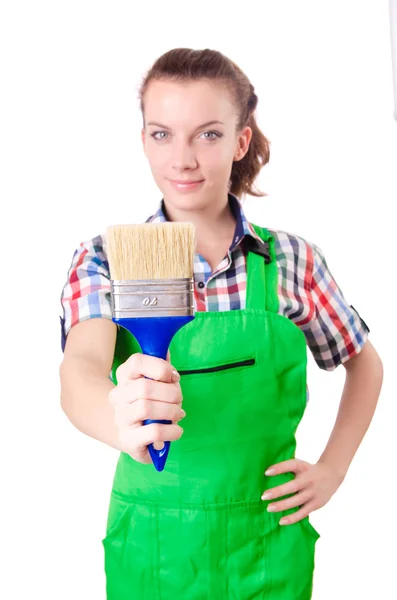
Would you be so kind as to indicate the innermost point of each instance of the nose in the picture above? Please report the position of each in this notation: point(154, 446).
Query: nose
point(183, 157)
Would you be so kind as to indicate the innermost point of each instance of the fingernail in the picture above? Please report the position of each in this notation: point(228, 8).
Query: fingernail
point(269, 472)
point(271, 507)
point(283, 521)
point(175, 376)
point(183, 413)
point(266, 495)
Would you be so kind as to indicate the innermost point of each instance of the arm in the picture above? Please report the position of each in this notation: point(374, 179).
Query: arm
point(84, 375)
point(364, 376)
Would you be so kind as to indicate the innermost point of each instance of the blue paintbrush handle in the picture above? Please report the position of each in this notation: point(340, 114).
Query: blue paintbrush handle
point(154, 335)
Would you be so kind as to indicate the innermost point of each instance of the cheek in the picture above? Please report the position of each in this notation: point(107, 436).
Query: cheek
point(218, 160)
point(159, 165)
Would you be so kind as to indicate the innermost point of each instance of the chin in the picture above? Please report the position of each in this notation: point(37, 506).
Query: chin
point(186, 201)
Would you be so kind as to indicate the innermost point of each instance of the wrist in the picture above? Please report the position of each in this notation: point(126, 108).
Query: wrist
point(339, 470)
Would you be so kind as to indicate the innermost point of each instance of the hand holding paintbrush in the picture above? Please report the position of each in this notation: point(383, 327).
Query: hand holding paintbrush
point(146, 389)
point(151, 269)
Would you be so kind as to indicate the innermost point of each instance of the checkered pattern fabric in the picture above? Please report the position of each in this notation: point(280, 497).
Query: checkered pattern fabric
point(308, 293)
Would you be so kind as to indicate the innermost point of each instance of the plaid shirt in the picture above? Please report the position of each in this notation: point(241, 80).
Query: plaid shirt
point(308, 293)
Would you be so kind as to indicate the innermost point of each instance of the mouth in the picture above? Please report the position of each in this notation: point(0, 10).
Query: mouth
point(186, 182)
point(186, 185)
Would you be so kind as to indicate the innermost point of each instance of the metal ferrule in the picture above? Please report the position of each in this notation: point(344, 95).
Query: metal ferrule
point(152, 298)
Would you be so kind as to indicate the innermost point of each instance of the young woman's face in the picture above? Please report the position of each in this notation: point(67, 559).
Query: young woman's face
point(181, 146)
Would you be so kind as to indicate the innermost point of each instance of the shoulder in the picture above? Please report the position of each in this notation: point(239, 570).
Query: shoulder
point(293, 251)
point(86, 291)
point(289, 240)
point(95, 246)
point(91, 252)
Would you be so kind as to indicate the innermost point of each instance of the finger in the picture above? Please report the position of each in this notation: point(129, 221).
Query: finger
point(158, 432)
point(145, 389)
point(142, 365)
point(300, 514)
point(296, 500)
point(293, 464)
point(142, 409)
point(168, 358)
point(155, 390)
point(152, 390)
point(296, 484)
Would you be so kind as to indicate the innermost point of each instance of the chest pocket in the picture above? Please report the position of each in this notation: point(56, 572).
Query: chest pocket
point(234, 365)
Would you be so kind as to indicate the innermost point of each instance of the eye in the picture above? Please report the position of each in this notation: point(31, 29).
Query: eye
point(218, 135)
point(214, 133)
point(155, 133)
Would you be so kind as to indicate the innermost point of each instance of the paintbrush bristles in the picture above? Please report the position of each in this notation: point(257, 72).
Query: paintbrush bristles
point(151, 251)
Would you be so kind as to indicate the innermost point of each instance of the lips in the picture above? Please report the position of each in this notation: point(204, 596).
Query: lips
point(186, 182)
point(187, 186)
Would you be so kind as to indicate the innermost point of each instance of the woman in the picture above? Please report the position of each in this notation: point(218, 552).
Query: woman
point(202, 528)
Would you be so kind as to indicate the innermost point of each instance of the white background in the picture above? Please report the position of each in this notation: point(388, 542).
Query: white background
point(72, 163)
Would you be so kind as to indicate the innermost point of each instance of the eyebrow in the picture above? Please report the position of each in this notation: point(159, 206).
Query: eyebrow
point(199, 127)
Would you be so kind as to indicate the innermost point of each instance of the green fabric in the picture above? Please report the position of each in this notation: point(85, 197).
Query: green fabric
point(199, 530)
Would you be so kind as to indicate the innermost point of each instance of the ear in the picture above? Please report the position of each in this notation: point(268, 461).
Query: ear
point(243, 143)
point(143, 137)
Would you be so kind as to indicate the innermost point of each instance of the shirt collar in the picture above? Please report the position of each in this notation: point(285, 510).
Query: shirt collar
point(244, 230)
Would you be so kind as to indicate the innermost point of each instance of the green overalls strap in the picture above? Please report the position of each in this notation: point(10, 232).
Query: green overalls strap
point(199, 530)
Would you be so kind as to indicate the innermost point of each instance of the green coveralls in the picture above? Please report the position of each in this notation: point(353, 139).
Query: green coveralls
point(199, 530)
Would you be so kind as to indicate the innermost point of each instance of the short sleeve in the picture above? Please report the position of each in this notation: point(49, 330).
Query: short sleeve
point(336, 332)
point(86, 292)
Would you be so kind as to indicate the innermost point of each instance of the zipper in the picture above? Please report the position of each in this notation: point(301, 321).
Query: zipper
point(242, 363)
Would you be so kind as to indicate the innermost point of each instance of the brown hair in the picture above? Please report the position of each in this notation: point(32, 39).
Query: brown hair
point(186, 64)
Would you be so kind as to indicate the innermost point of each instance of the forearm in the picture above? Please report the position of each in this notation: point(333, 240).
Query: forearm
point(359, 399)
point(84, 400)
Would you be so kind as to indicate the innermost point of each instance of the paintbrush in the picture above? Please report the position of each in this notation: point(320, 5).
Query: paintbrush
point(151, 276)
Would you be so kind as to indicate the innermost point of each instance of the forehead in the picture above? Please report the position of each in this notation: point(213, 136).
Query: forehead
point(190, 103)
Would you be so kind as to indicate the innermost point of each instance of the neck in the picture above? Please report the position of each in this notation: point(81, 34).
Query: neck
point(212, 223)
